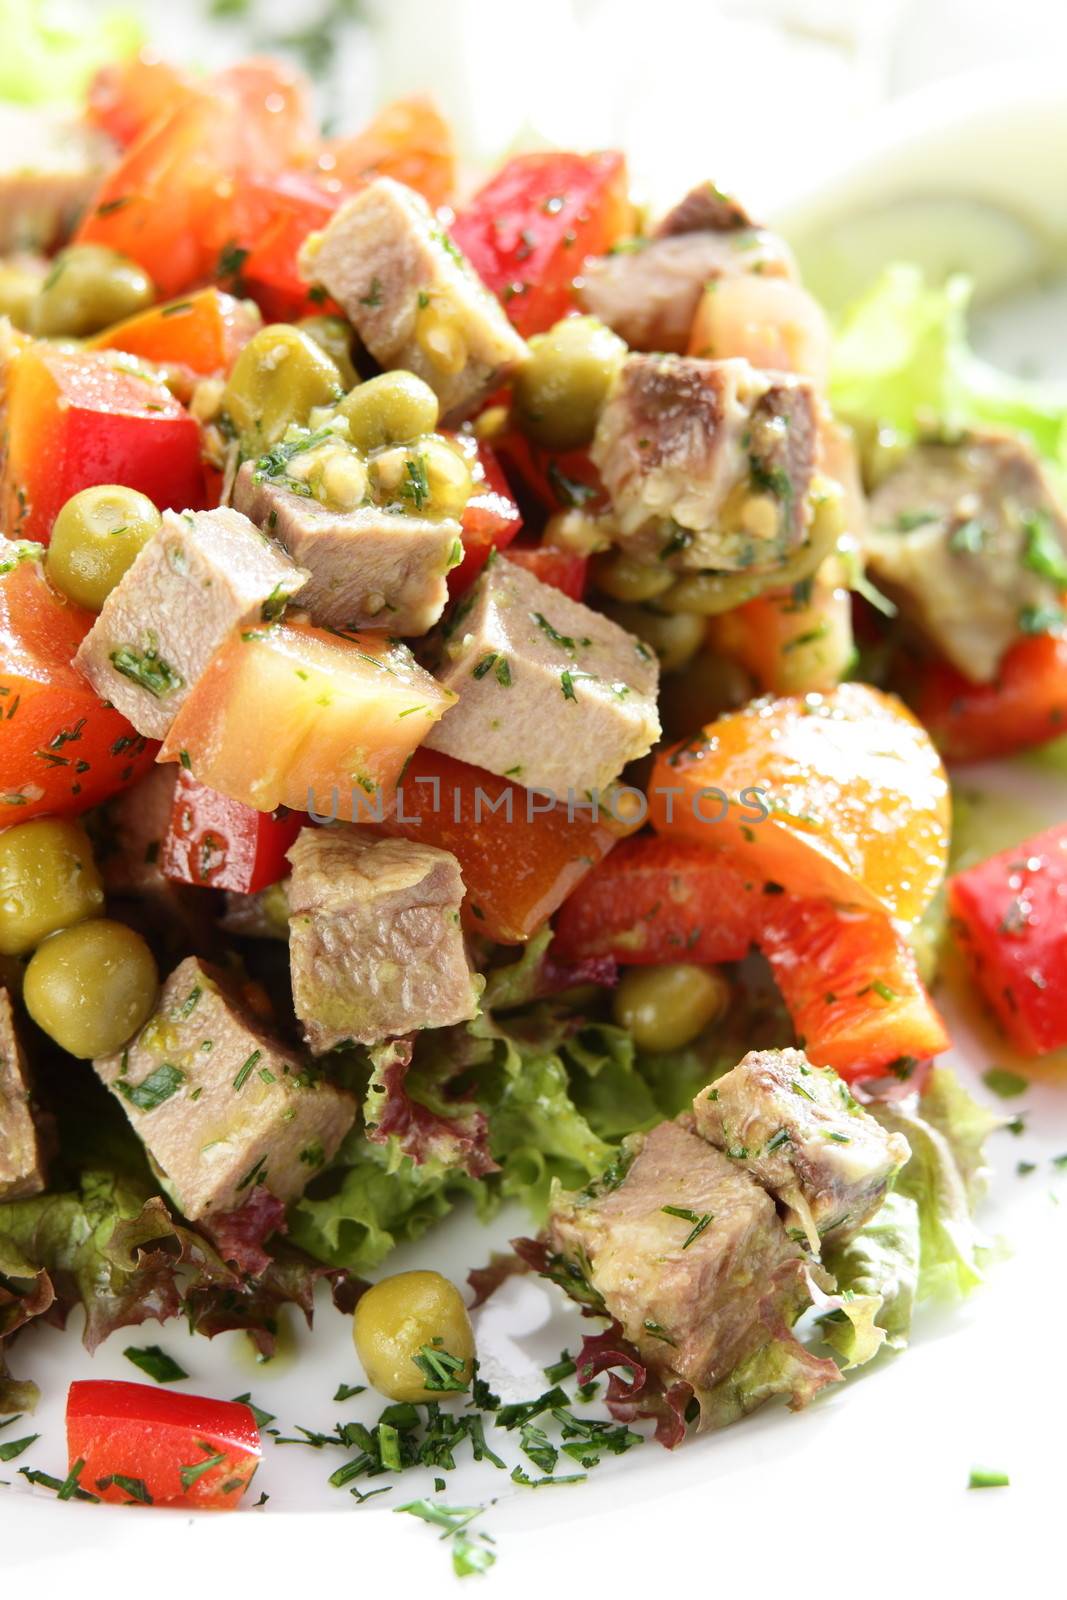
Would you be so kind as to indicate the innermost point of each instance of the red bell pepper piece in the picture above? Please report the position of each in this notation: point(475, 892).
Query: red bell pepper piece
point(1025, 706)
point(73, 419)
point(218, 843)
point(491, 519)
point(563, 569)
point(519, 859)
point(138, 1443)
point(528, 232)
point(63, 749)
point(851, 986)
point(204, 333)
point(656, 900)
point(1010, 914)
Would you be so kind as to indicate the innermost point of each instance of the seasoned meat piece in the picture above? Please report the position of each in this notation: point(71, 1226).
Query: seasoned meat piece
point(49, 170)
point(551, 694)
point(367, 568)
point(220, 1104)
point(375, 945)
point(131, 833)
point(263, 915)
point(21, 1159)
point(649, 291)
point(412, 296)
point(800, 1133)
point(970, 539)
point(693, 1306)
point(203, 574)
point(708, 463)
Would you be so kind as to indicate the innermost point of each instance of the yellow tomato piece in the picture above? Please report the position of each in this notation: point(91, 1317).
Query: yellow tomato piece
point(857, 799)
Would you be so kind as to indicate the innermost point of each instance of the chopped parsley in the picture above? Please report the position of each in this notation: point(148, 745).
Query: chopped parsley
point(245, 1070)
point(982, 1478)
point(155, 1362)
point(1044, 554)
point(442, 1371)
point(148, 669)
point(686, 1215)
point(151, 1092)
point(564, 640)
point(1004, 1083)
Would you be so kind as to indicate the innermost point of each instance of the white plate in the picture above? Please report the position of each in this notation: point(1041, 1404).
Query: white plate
point(867, 1488)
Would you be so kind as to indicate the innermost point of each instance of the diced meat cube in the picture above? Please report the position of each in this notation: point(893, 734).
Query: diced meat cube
point(412, 296)
point(21, 1157)
point(263, 915)
point(693, 1305)
point(221, 1105)
point(799, 1132)
point(970, 539)
point(367, 568)
point(375, 944)
point(551, 694)
point(649, 291)
point(130, 834)
point(50, 168)
point(204, 574)
point(708, 463)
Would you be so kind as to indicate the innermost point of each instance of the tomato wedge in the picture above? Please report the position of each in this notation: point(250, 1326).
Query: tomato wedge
point(519, 861)
point(408, 140)
point(74, 418)
point(141, 1444)
point(851, 986)
point(563, 569)
point(857, 799)
point(63, 749)
point(1010, 915)
point(125, 96)
point(656, 900)
point(556, 480)
point(1026, 706)
point(218, 843)
point(491, 519)
point(203, 333)
point(529, 230)
point(271, 219)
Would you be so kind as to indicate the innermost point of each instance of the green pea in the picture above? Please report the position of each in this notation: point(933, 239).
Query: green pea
point(393, 408)
point(666, 1007)
point(89, 288)
point(48, 880)
point(334, 335)
point(91, 987)
point(400, 1317)
point(561, 388)
point(96, 538)
point(279, 378)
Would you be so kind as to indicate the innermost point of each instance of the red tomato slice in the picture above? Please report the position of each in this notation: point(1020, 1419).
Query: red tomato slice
point(529, 230)
point(1011, 918)
point(125, 96)
point(63, 749)
point(272, 218)
point(557, 482)
point(518, 864)
point(852, 989)
point(140, 1443)
point(491, 519)
point(656, 900)
point(218, 843)
point(74, 419)
point(563, 569)
point(1027, 705)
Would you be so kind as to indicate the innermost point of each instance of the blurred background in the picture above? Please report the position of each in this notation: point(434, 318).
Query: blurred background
point(754, 91)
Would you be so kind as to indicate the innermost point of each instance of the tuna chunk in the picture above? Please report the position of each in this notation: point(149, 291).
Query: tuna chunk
point(708, 463)
point(799, 1132)
point(21, 1159)
point(375, 944)
point(970, 539)
point(220, 1104)
point(204, 574)
point(412, 296)
point(131, 831)
point(649, 293)
point(693, 1306)
point(551, 694)
point(367, 568)
point(50, 167)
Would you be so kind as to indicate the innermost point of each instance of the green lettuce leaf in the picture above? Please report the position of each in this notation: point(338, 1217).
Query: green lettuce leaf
point(902, 361)
point(45, 61)
point(880, 1265)
point(964, 1123)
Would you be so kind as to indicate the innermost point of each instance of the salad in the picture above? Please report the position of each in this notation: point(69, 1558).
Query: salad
point(476, 670)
